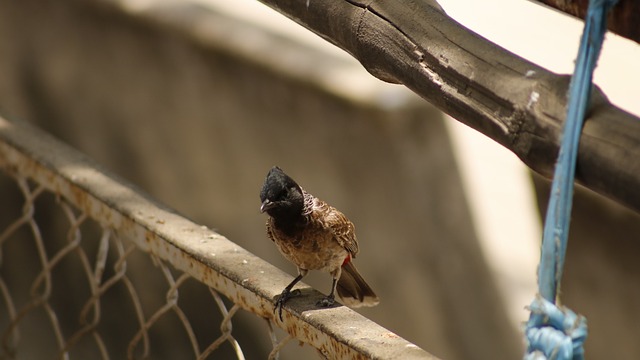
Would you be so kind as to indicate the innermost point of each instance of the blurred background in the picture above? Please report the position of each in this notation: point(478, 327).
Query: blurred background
point(195, 100)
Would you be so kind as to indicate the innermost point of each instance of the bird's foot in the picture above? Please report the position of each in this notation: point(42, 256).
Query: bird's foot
point(283, 298)
point(326, 301)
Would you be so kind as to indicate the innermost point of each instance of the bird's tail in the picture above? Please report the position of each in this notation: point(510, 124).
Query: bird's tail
point(353, 290)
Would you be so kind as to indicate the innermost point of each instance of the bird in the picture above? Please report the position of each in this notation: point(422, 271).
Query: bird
point(313, 235)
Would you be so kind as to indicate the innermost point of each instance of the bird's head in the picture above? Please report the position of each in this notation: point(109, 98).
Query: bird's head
point(281, 196)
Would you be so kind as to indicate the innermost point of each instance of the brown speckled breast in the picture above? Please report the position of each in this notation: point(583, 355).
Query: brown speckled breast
point(322, 243)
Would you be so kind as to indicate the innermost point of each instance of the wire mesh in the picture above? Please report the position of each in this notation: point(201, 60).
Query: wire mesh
point(91, 268)
point(75, 315)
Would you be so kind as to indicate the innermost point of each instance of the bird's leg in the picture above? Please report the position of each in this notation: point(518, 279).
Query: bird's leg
point(287, 293)
point(330, 299)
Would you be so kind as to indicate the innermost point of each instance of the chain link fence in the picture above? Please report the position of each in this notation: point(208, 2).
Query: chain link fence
point(92, 268)
point(99, 264)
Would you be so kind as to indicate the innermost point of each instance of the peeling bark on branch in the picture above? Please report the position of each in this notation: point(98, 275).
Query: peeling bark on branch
point(513, 101)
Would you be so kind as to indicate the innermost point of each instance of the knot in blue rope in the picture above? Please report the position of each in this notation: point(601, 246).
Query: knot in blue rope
point(554, 332)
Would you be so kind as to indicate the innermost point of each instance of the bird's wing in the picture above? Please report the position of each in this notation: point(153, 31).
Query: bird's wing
point(344, 232)
point(342, 229)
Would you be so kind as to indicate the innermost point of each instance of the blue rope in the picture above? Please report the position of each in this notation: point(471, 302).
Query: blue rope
point(553, 332)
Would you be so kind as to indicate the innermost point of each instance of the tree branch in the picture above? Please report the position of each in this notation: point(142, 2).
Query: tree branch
point(623, 18)
point(513, 101)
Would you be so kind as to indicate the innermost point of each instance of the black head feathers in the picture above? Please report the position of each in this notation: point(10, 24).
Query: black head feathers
point(281, 196)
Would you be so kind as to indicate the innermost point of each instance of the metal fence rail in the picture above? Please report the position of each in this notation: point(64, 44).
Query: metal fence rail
point(79, 226)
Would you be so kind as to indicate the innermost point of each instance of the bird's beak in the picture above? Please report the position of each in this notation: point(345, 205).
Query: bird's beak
point(266, 205)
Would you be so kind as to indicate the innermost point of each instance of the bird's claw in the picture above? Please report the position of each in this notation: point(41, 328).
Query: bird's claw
point(282, 299)
point(326, 302)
